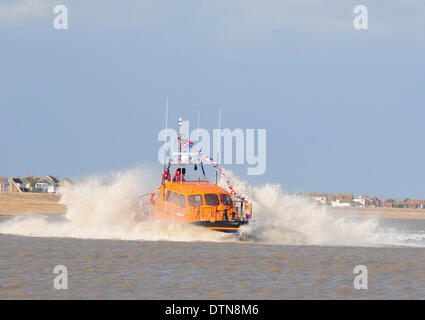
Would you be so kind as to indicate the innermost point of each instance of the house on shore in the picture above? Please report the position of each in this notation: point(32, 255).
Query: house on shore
point(43, 184)
point(387, 204)
point(322, 198)
point(343, 200)
point(416, 204)
point(359, 201)
point(365, 201)
point(28, 184)
point(48, 184)
point(407, 204)
point(376, 202)
point(362, 201)
point(399, 204)
point(14, 185)
point(3, 184)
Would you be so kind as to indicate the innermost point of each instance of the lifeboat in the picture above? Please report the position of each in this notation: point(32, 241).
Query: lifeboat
point(180, 199)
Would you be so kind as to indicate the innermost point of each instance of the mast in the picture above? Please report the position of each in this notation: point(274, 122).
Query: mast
point(183, 156)
point(180, 138)
point(218, 144)
point(199, 117)
point(166, 133)
point(180, 146)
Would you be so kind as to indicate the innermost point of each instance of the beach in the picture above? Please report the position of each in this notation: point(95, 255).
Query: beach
point(19, 204)
point(379, 212)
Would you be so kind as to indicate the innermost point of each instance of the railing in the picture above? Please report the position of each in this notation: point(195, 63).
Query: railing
point(240, 209)
point(144, 209)
point(203, 213)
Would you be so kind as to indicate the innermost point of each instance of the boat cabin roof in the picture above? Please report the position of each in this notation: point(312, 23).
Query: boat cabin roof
point(194, 187)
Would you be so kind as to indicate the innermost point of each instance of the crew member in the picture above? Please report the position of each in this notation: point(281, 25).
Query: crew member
point(166, 175)
point(178, 176)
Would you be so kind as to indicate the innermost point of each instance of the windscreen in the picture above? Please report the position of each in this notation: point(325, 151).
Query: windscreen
point(225, 199)
point(211, 199)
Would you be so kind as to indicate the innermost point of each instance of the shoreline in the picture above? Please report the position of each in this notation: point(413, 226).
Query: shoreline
point(380, 212)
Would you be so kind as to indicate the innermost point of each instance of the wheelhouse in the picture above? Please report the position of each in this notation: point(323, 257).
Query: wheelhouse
point(193, 201)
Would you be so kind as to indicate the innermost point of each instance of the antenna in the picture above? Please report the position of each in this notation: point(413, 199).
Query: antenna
point(218, 144)
point(199, 117)
point(166, 134)
point(180, 147)
point(180, 137)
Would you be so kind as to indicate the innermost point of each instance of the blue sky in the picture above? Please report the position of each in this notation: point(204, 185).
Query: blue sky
point(344, 109)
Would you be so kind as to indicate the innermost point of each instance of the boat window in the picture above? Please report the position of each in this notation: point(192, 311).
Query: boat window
point(182, 201)
point(225, 199)
point(195, 200)
point(211, 199)
point(176, 198)
point(169, 194)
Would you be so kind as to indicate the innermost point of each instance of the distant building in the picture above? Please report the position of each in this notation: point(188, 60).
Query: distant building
point(364, 201)
point(329, 198)
point(322, 198)
point(368, 202)
point(29, 184)
point(376, 202)
point(47, 184)
point(400, 204)
point(345, 197)
point(358, 202)
point(387, 204)
point(53, 184)
point(14, 184)
point(3, 184)
point(415, 204)
point(343, 200)
point(338, 203)
point(43, 184)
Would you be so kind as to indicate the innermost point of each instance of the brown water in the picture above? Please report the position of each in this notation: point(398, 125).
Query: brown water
point(116, 269)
